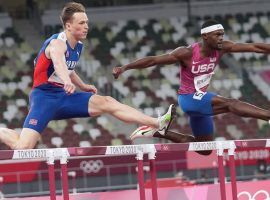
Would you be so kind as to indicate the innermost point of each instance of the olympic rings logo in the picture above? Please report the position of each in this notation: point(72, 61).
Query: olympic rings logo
point(91, 166)
point(267, 196)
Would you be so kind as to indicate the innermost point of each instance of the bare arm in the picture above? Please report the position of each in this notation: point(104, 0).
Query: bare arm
point(56, 52)
point(175, 56)
point(76, 80)
point(169, 58)
point(229, 46)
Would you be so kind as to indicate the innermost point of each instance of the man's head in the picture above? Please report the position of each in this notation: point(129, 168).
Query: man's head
point(212, 33)
point(74, 20)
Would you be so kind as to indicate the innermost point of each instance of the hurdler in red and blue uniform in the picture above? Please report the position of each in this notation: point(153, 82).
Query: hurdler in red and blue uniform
point(48, 100)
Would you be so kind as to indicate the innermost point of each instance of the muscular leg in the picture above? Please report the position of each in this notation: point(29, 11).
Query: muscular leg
point(105, 104)
point(202, 129)
point(176, 137)
point(240, 108)
point(183, 138)
point(9, 137)
point(219, 105)
point(26, 140)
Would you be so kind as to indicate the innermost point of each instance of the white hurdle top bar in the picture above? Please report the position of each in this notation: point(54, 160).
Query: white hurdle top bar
point(58, 153)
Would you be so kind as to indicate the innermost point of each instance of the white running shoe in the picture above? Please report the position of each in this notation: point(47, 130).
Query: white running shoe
point(143, 131)
point(164, 124)
point(166, 120)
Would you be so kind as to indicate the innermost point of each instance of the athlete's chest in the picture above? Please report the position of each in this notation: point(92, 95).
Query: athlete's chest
point(72, 57)
point(203, 66)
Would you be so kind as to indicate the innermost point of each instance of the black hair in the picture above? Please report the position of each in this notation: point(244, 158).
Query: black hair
point(209, 22)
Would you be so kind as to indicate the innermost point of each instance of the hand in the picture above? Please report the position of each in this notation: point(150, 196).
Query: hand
point(90, 88)
point(69, 87)
point(117, 71)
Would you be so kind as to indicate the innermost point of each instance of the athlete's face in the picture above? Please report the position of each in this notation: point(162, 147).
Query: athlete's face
point(78, 25)
point(214, 39)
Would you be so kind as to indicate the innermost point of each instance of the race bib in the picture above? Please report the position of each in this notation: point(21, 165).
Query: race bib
point(198, 95)
point(199, 83)
point(202, 81)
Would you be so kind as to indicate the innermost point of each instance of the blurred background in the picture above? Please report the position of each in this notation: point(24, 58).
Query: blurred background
point(120, 32)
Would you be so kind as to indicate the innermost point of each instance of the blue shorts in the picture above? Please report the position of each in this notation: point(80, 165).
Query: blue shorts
point(51, 103)
point(200, 112)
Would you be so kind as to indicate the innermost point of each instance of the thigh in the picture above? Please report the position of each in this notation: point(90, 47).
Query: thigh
point(28, 139)
point(202, 126)
point(220, 105)
point(41, 111)
point(195, 106)
point(74, 106)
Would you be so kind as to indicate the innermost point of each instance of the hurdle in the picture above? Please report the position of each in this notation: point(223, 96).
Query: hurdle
point(63, 154)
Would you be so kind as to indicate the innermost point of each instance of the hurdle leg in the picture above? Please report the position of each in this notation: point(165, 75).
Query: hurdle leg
point(151, 157)
point(64, 177)
point(141, 175)
point(221, 173)
point(232, 172)
point(50, 162)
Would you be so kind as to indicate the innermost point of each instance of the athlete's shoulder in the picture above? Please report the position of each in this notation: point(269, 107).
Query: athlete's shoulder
point(58, 39)
point(227, 46)
point(56, 36)
point(55, 45)
point(195, 45)
point(182, 52)
point(61, 36)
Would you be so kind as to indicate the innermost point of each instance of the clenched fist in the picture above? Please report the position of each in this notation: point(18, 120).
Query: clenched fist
point(117, 71)
point(69, 87)
point(90, 88)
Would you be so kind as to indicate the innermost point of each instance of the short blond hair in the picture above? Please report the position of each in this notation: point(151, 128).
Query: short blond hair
point(69, 10)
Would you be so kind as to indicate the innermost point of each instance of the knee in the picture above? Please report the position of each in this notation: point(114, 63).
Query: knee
point(108, 103)
point(109, 100)
point(23, 145)
point(101, 104)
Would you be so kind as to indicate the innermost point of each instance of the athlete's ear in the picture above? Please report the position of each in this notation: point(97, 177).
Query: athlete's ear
point(68, 25)
point(204, 36)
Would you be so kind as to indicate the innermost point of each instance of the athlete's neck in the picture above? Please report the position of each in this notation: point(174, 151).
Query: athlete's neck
point(71, 40)
point(205, 50)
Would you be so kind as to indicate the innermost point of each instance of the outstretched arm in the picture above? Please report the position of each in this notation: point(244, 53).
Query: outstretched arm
point(175, 56)
point(229, 46)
